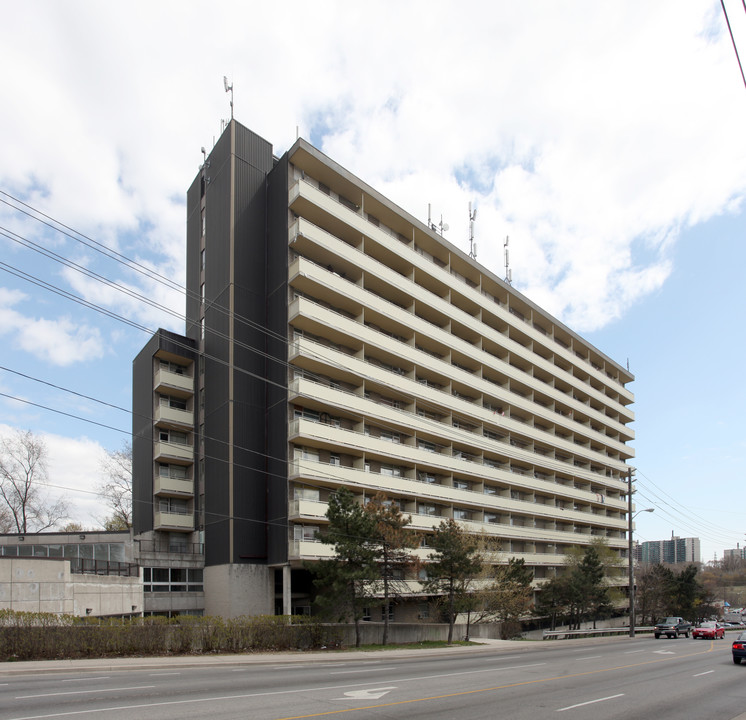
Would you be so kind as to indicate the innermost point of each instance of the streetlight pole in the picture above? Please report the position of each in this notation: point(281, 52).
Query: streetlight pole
point(630, 558)
point(631, 579)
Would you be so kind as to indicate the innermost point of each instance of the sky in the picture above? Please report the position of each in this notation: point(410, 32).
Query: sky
point(604, 138)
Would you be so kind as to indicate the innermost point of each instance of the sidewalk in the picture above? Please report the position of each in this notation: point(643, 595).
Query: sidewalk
point(275, 658)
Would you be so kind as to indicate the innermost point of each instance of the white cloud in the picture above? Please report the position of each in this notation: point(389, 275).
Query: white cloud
point(60, 341)
point(578, 129)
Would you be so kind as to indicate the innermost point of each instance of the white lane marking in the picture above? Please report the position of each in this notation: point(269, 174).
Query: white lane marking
point(163, 674)
point(632, 652)
point(103, 677)
point(664, 652)
point(361, 670)
point(245, 696)
point(591, 657)
point(590, 702)
point(703, 673)
point(368, 693)
point(84, 692)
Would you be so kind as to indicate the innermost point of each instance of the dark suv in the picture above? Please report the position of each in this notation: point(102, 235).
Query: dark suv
point(672, 627)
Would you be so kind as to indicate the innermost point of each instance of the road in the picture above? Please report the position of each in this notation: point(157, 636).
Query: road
point(602, 679)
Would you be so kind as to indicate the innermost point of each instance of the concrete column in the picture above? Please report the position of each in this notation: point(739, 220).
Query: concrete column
point(287, 605)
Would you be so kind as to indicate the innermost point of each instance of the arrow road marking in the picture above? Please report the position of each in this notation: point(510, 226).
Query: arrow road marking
point(367, 694)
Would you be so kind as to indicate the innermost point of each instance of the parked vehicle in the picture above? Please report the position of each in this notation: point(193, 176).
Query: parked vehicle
point(672, 627)
point(709, 630)
point(739, 648)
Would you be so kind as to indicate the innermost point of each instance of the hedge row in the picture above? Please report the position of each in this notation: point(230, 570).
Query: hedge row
point(45, 636)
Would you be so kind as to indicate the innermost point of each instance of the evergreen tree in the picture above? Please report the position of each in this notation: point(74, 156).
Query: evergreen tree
point(393, 542)
point(344, 582)
point(456, 560)
point(510, 594)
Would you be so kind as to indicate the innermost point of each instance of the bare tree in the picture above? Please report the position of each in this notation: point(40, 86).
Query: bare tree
point(6, 520)
point(116, 488)
point(23, 477)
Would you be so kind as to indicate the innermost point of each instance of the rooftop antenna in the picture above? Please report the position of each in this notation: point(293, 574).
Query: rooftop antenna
point(441, 227)
point(228, 88)
point(472, 244)
point(508, 271)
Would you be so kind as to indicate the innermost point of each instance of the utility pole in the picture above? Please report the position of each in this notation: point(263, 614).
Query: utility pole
point(630, 558)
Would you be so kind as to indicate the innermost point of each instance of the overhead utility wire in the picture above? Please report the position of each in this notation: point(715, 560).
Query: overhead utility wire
point(122, 259)
point(671, 500)
point(155, 275)
point(732, 39)
point(453, 434)
point(152, 274)
point(664, 508)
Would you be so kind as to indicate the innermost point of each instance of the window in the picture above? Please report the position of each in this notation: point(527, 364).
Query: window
point(173, 506)
point(301, 492)
point(304, 453)
point(462, 484)
point(393, 437)
point(391, 470)
point(426, 509)
point(334, 460)
point(172, 579)
point(173, 402)
point(305, 533)
point(178, 472)
point(172, 436)
point(426, 446)
point(306, 414)
point(460, 514)
point(172, 367)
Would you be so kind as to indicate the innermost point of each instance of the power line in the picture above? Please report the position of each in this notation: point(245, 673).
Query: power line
point(732, 39)
point(452, 434)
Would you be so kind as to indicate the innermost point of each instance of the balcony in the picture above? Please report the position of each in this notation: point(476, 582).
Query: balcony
point(173, 417)
point(174, 487)
point(165, 451)
point(172, 383)
point(310, 550)
point(176, 522)
point(300, 508)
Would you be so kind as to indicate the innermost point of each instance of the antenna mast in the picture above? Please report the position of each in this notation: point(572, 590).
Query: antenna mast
point(440, 227)
point(228, 88)
point(508, 272)
point(472, 244)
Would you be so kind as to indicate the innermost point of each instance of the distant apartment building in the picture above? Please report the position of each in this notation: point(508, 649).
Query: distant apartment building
point(738, 553)
point(333, 339)
point(670, 552)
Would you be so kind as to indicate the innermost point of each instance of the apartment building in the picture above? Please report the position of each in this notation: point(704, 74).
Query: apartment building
point(670, 552)
point(333, 339)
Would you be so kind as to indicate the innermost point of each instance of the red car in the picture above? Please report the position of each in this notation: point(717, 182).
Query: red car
point(711, 630)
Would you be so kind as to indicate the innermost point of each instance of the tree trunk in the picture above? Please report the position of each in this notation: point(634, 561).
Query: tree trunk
point(451, 617)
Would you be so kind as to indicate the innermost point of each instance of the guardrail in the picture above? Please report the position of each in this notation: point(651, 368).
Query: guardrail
point(592, 632)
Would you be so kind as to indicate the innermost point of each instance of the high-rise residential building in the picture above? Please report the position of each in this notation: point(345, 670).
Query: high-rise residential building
point(737, 553)
point(333, 339)
point(675, 550)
